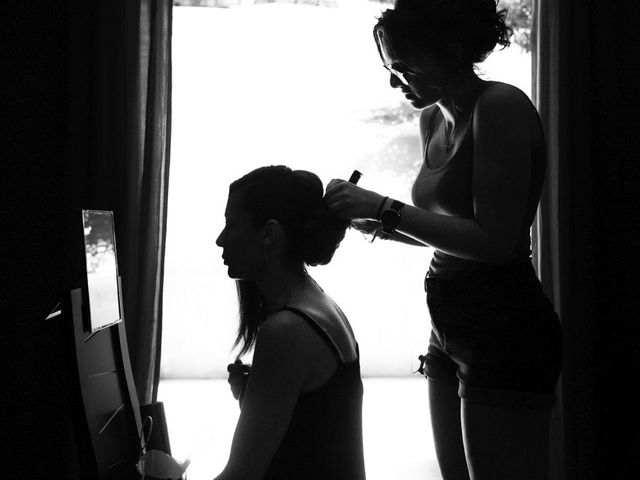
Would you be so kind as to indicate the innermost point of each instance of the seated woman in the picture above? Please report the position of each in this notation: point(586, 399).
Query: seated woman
point(301, 411)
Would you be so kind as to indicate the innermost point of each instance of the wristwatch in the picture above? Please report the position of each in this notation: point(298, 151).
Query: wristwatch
point(390, 219)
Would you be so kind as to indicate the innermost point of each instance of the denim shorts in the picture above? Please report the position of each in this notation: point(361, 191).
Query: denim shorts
point(495, 335)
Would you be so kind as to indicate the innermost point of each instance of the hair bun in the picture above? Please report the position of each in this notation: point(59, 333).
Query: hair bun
point(319, 233)
point(319, 237)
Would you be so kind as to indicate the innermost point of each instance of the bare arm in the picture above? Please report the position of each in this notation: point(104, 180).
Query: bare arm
point(501, 166)
point(279, 371)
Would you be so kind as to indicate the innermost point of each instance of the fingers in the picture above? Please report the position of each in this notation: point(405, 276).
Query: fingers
point(238, 367)
point(339, 208)
point(333, 183)
point(344, 199)
point(337, 196)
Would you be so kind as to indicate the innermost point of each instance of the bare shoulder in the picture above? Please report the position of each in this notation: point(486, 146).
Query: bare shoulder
point(327, 316)
point(280, 327)
point(502, 98)
point(289, 333)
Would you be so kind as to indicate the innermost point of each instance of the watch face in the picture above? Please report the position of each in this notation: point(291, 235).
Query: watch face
point(390, 219)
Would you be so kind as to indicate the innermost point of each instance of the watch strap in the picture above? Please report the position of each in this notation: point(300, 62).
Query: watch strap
point(396, 205)
point(382, 204)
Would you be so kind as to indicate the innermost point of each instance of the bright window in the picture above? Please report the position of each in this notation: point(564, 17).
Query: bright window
point(293, 83)
point(300, 85)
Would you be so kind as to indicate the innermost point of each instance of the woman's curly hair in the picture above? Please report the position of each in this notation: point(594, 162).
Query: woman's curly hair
point(438, 27)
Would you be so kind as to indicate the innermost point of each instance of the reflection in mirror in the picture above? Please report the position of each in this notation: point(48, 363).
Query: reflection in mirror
point(102, 268)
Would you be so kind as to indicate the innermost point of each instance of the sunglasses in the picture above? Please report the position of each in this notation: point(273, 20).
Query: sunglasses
point(402, 76)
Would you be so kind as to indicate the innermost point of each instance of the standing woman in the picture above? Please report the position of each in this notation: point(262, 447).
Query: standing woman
point(494, 353)
point(301, 410)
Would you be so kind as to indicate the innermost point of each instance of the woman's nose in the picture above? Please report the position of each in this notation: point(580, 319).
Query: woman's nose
point(394, 81)
point(219, 239)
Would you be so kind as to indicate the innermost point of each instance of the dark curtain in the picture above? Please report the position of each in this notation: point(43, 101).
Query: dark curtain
point(85, 99)
point(546, 232)
point(586, 87)
point(120, 78)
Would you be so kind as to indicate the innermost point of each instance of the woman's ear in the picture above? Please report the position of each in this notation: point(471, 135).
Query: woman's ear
point(272, 229)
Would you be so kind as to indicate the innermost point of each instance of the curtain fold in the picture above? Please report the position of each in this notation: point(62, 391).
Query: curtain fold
point(155, 113)
point(557, 227)
point(545, 231)
point(585, 85)
point(120, 79)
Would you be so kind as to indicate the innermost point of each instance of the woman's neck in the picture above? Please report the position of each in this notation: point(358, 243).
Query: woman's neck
point(457, 104)
point(279, 287)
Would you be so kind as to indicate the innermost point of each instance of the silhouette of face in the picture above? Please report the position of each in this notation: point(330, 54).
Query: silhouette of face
point(422, 80)
point(241, 241)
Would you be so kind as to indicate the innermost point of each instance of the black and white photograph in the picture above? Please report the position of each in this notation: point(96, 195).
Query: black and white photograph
point(320, 240)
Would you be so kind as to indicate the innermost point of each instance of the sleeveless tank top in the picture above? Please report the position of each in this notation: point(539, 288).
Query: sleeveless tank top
point(324, 437)
point(447, 190)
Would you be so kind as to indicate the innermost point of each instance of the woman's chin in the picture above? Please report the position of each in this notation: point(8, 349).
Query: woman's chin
point(232, 275)
point(426, 99)
point(416, 102)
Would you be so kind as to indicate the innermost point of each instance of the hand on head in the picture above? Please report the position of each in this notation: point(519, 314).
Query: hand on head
point(347, 200)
